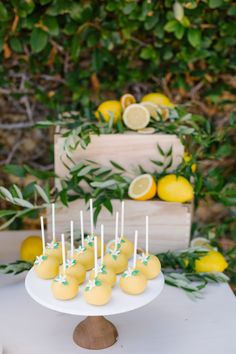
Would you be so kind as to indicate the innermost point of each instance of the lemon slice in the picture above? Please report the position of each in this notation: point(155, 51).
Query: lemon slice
point(200, 242)
point(148, 130)
point(136, 117)
point(127, 100)
point(142, 187)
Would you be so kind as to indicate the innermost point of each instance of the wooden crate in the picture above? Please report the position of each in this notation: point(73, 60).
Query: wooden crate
point(169, 228)
point(170, 223)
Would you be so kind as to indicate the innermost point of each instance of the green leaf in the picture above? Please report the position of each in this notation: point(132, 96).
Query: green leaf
point(128, 8)
point(161, 151)
point(3, 13)
point(23, 203)
point(75, 47)
point(148, 53)
point(4, 213)
point(38, 40)
point(213, 4)
point(116, 165)
point(15, 44)
point(6, 194)
point(52, 25)
point(194, 37)
point(42, 193)
point(15, 170)
point(171, 26)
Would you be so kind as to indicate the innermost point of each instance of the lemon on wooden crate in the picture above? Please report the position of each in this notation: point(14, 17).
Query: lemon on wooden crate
point(31, 247)
point(109, 109)
point(142, 187)
point(213, 261)
point(136, 116)
point(173, 188)
point(158, 98)
point(126, 100)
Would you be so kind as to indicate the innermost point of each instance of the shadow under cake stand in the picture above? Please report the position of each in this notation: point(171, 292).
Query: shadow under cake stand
point(95, 332)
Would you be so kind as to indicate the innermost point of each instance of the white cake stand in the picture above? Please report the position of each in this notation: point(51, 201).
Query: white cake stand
point(95, 332)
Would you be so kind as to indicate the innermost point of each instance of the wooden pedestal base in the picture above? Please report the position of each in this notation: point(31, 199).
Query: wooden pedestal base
point(95, 332)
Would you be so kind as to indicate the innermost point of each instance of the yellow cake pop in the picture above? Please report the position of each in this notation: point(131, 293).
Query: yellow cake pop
point(116, 260)
point(132, 281)
point(104, 273)
point(96, 292)
point(147, 263)
point(73, 267)
point(64, 287)
point(84, 256)
point(46, 267)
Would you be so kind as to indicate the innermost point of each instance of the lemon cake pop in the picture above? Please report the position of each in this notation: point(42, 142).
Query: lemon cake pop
point(53, 248)
point(124, 244)
point(104, 273)
point(97, 292)
point(83, 255)
point(114, 258)
point(147, 263)
point(46, 267)
point(132, 281)
point(73, 267)
point(64, 287)
point(89, 240)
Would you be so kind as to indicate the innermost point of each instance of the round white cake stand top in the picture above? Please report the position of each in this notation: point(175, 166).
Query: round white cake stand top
point(40, 291)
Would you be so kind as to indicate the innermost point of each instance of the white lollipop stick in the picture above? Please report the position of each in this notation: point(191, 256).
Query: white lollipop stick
point(102, 243)
point(43, 235)
point(53, 223)
point(72, 238)
point(91, 216)
point(135, 248)
point(122, 219)
point(82, 227)
point(147, 234)
point(116, 230)
point(63, 254)
point(95, 256)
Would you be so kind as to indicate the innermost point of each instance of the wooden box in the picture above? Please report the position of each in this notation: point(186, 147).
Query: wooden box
point(170, 223)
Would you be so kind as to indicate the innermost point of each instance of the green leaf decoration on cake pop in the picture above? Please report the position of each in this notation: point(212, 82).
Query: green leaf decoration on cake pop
point(53, 245)
point(80, 249)
point(90, 240)
point(40, 259)
point(102, 269)
point(70, 263)
point(144, 259)
point(130, 272)
point(92, 283)
point(61, 279)
point(114, 253)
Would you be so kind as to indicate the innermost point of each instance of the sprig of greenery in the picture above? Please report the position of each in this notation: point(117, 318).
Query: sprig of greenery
point(15, 267)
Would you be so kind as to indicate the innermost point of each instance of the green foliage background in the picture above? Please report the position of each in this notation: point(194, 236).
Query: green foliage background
point(72, 54)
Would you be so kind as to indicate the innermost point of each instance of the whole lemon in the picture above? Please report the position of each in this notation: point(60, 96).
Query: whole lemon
point(213, 261)
point(108, 109)
point(158, 98)
point(173, 188)
point(30, 248)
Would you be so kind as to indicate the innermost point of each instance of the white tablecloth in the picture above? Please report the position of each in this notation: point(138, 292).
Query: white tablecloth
point(171, 324)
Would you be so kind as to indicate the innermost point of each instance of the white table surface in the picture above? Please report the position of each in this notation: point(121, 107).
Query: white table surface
point(171, 324)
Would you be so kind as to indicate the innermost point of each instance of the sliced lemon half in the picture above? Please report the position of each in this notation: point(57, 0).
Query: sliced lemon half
point(127, 100)
point(142, 187)
point(136, 116)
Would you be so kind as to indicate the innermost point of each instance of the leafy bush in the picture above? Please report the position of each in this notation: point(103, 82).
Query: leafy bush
point(107, 44)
